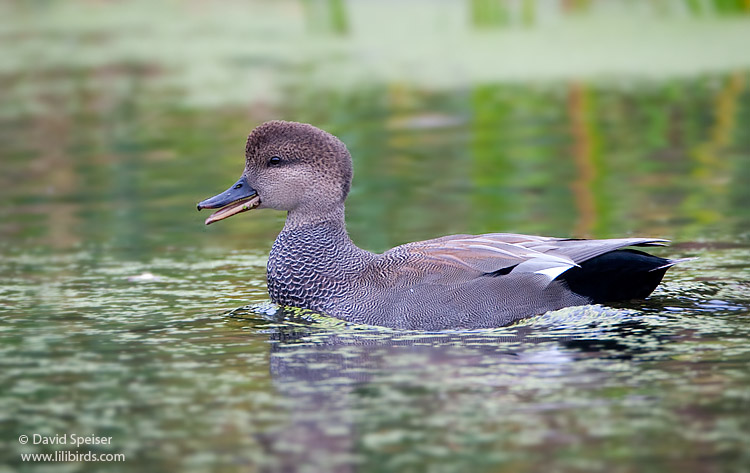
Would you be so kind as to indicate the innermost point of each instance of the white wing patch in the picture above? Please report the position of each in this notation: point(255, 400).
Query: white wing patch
point(552, 273)
point(550, 268)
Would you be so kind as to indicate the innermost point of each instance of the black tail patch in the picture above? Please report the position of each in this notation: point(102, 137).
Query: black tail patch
point(617, 276)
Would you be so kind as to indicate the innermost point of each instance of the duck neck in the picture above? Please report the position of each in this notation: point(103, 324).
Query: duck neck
point(332, 217)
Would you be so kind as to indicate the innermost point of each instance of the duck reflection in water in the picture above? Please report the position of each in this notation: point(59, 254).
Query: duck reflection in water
point(351, 395)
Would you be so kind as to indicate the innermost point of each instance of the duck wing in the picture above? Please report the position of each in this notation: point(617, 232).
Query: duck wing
point(485, 253)
point(504, 252)
point(583, 250)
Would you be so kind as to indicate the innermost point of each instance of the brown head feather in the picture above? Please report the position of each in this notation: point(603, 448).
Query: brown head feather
point(318, 161)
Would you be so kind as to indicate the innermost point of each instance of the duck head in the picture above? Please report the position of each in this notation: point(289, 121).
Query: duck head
point(289, 166)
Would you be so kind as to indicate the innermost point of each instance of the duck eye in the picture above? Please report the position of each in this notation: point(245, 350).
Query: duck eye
point(274, 161)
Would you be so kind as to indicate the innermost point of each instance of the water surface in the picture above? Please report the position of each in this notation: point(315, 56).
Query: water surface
point(122, 315)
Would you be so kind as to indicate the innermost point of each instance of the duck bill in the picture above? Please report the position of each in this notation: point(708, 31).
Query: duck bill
point(237, 199)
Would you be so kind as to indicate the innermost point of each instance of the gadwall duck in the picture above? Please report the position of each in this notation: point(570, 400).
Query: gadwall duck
point(452, 282)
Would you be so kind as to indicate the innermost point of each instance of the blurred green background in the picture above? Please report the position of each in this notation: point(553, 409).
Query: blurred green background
point(560, 117)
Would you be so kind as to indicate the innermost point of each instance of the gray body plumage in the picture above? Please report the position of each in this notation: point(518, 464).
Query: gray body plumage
point(457, 281)
point(429, 285)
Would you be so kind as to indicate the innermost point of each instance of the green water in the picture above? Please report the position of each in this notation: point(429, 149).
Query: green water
point(123, 316)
